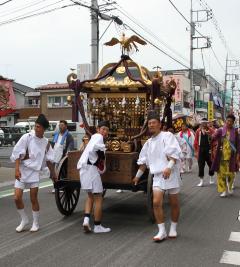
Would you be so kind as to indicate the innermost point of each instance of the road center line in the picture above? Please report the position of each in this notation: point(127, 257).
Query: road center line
point(230, 257)
point(234, 236)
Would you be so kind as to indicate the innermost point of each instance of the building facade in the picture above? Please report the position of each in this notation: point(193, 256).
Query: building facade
point(54, 101)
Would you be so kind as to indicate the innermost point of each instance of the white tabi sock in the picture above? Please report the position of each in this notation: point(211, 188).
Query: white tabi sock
point(161, 227)
point(86, 220)
point(161, 235)
point(24, 220)
point(35, 225)
point(173, 230)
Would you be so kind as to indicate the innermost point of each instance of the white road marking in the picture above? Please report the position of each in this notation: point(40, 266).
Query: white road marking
point(10, 192)
point(231, 257)
point(234, 236)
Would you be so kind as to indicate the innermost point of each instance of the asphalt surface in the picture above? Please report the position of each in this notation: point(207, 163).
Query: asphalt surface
point(5, 153)
point(204, 229)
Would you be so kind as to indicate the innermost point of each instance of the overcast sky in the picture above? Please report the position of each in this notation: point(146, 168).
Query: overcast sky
point(42, 49)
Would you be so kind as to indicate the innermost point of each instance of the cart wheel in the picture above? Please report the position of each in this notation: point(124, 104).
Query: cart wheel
point(104, 192)
point(150, 197)
point(66, 197)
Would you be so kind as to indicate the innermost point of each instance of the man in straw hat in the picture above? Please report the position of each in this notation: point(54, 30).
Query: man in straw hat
point(30, 154)
point(161, 154)
point(202, 145)
point(90, 165)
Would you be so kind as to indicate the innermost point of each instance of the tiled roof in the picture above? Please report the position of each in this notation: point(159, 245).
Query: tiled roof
point(22, 88)
point(54, 86)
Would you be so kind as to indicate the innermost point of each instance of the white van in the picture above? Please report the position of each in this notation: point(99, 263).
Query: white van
point(28, 125)
point(51, 130)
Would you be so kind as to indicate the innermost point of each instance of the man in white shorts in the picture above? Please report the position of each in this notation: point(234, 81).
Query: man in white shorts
point(91, 164)
point(161, 154)
point(29, 154)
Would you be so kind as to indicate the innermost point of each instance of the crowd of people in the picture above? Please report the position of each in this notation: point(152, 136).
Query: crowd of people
point(165, 154)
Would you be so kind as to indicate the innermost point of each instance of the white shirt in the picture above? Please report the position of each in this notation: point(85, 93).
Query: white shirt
point(30, 168)
point(96, 143)
point(155, 153)
point(90, 173)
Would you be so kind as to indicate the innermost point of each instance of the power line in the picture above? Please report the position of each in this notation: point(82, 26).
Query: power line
point(148, 31)
point(16, 9)
point(218, 61)
point(27, 13)
point(165, 53)
point(1, 4)
point(35, 15)
point(221, 36)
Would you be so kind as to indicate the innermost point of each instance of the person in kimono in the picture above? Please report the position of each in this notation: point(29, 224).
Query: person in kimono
point(226, 160)
point(30, 154)
point(161, 154)
point(91, 165)
point(186, 141)
point(202, 146)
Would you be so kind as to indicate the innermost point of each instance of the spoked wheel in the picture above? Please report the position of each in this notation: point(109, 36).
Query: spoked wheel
point(104, 192)
point(66, 196)
point(150, 197)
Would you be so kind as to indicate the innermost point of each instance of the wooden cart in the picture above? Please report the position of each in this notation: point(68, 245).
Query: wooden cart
point(122, 93)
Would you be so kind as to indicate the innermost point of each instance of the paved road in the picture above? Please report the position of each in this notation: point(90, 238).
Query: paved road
point(5, 153)
point(204, 230)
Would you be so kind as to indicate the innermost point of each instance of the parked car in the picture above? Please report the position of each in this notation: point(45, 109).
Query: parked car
point(1, 137)
point(13, 134)
point(51, 130)
point(28, 125)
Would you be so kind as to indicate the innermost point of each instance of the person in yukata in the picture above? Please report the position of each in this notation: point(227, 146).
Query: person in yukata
point(186, 141)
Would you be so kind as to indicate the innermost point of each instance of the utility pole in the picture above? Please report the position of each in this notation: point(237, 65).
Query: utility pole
point(95, 37)
point(192, 33)
point(198, 18)
point(229, 77)
point(97, 13)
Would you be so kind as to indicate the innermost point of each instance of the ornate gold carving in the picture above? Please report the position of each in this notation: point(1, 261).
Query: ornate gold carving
point(115, 145)
point(120, 70)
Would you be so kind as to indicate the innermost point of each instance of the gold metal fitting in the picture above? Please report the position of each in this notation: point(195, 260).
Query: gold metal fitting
point(69, 99)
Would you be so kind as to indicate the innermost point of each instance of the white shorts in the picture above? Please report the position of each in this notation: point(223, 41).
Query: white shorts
point(90, 180)
point(22, 185)
point(96, 187)
point(171, 191)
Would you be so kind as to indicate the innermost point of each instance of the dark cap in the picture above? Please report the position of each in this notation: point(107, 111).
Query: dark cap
point(152, 115)
point(42, 120)
point(103, 123)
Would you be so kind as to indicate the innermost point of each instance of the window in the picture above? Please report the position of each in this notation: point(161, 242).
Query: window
point(57, 101)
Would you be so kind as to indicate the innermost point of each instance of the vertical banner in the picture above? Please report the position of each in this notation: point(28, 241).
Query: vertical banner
point(7, 97)
point(210, 111)
point(178, 96)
